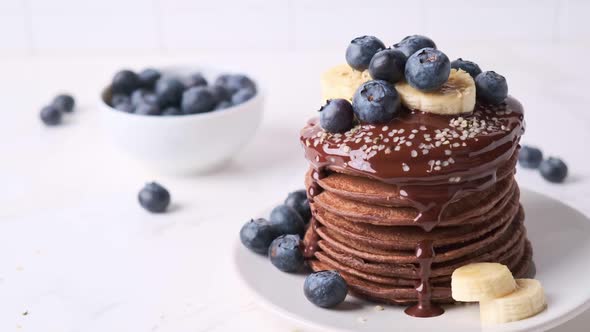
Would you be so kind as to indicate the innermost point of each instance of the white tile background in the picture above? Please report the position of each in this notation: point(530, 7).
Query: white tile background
point(162, 26)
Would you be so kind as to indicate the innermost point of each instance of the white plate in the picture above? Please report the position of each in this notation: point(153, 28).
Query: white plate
point(561, 242)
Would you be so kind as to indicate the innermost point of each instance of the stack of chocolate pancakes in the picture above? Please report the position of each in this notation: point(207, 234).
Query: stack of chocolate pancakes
point(398, 206)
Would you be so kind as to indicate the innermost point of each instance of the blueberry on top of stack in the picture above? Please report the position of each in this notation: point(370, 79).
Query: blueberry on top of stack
point(151, 93)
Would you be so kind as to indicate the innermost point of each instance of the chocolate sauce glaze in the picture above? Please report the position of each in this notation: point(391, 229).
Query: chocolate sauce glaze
point(432, 159)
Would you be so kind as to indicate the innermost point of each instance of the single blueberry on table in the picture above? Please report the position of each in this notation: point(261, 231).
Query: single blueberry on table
point(124, 81)
point(361, 50)
point(223, 105)
point(257, 235)
point(491, 87)
point(119, 98)
point(376, 102)
point(51, 115)
point(147, 109)
point(325, 289)
point(64, 102)
point(298, 201)
point(242, 96)
point(336, 116)
point(285, 253)
point(169, 91)
point(412, 44)
point(428, 69)
point(235, 82)
point(285, 220)
point(171, 111)
point(196, 79)
point(154, 198)
point(197, 100)
point(553, 170)
point(530, 157)
point(469, 66)
point(388, 65)
point(148, 78)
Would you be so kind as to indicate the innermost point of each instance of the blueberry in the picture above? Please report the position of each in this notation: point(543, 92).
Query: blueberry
point(286, 220)
point(220, 93)
point(169, 92)
point(223, 105)
point(124, 81)
point(412, 44)
point(336, 116)
point(298, 201)
point(143, 96)
point(126, 107)
point(197, 100)
point(469, 66)
point(172, 111)
point(257, 235)
point(427, 69)
point(64, 102)
point(147, 109)
point(553, 170)
point(388, 65)
point(530, 157)
point(119, 98)
point(235, 82)
point(325, 289)
point(242, 96)
point(148, 78)
point(491, 87)
point(51, 115)
point(360, 51)
point(376, 102)
point(154, 198)
point(196, 79)
point(285, 253)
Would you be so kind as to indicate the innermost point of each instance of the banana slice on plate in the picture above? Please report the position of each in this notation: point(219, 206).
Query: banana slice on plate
point(527, 300)
point(456, 96)
point(481, 281)
point(342, 81)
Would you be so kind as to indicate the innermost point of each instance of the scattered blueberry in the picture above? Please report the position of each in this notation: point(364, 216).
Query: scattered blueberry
point(336, 116)
point(126, 107)
point(469, 66)
point(412, 44)
point(361, 50)
point(197, 100)
point(298, 201)
point(147, 109)
point(169, 91)
point(148, 78)
point(325, 289)
point(388, 65)
point(491, 87)
point(376, 102)
point(235, 82)
point(154, 198)
point(171, 111)
point(285, 253)
point(119, 98)
point(223, 105)
point(257, 235)
point(196, 79)
point(220, 93)
point(51, 115)
point(64, 103)
point(242, 96)
point(553, 170)
point(530, 157)
point(427, 69)
point(285, 220)
point(124, 81)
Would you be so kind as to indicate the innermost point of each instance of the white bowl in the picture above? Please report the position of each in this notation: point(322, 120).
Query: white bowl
point(184, 144)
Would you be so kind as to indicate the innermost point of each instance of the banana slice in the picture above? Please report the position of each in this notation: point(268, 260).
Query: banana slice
point(342, 81)
point(481, 281)
point(526, 301)
point(456, 96)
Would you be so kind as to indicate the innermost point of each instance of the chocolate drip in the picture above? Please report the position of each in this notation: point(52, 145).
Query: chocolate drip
point(315, 189)
point(425, 308)
point(310, 245)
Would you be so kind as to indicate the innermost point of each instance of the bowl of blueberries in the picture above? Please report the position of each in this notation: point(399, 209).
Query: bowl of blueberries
point(181, 120)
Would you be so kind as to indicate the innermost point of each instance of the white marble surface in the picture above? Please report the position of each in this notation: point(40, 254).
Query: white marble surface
point(77, 253)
